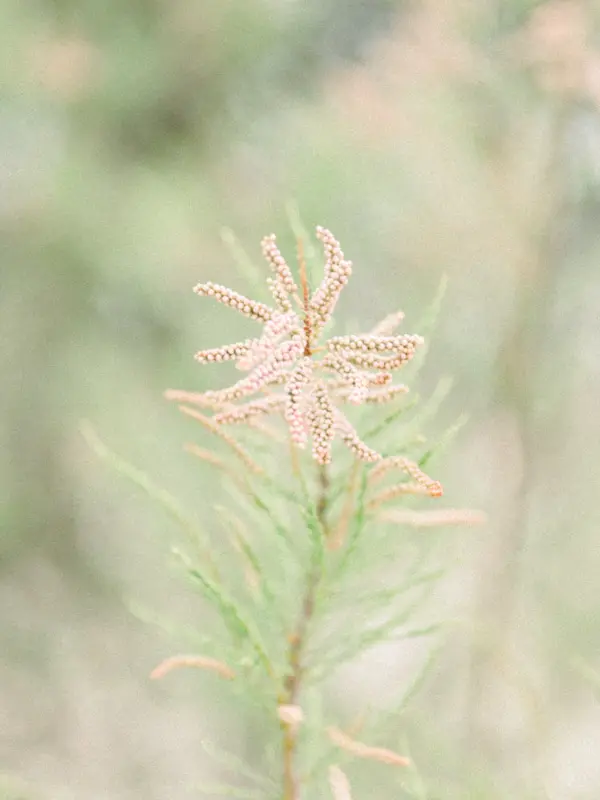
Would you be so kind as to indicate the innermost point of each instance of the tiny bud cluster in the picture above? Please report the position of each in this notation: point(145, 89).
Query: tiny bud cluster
point(295, 414)
point(278, 264)
point(403, 350)
point(378, 344)
point(275, 329)
point(357, 380)
point(229, 352)
point(281, 297)
point(337, 273)
point(353, 441)
point(264, 374)
point(322, 423)
point(249, 308)
point(377, 362)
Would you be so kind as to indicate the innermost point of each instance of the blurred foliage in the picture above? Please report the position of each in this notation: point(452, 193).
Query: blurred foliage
point(431, 137)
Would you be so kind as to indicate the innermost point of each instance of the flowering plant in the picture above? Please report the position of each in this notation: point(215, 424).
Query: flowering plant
point(322, 580)
point(298, 376)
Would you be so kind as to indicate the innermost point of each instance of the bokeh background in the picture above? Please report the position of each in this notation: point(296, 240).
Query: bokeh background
point(434, 137)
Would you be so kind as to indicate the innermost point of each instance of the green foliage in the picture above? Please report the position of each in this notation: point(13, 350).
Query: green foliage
point(159, 495)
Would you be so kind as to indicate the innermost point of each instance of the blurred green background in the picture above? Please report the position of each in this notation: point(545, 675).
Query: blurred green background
point(432, 137)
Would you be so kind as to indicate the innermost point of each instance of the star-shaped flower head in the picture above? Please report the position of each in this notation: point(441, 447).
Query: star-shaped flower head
point(293, 370)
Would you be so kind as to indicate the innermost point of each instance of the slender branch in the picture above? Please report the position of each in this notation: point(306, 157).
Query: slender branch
point(298, 641)
point(323, 498)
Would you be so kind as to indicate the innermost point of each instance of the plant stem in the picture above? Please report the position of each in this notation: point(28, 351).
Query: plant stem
point(298, 639)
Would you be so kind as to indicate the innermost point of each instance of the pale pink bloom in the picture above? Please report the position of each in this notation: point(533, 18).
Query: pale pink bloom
point(275, 329)
point(249, 308)
point(229, 352)
point(316, 376)
point(267, 372)
point(352, 440)
point(278, 264)
point(377, 344)
point(281, 297)
point(385, 363)
point(337, 272)
point(322, 424)
point(295, 410)
point(357, 380)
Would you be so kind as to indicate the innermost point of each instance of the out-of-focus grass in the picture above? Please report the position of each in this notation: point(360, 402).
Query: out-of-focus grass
point(445, 139)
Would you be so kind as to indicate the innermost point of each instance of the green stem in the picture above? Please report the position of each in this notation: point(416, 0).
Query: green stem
point(298, 641)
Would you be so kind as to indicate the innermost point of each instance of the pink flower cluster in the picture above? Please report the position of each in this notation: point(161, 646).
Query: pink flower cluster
point(293, 372)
